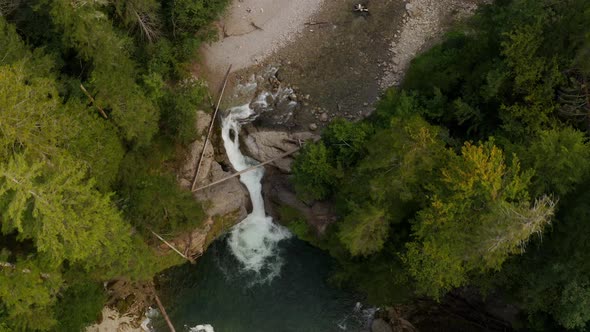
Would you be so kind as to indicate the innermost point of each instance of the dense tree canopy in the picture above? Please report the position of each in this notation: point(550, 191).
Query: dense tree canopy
point(88, 90)
point(482, 147)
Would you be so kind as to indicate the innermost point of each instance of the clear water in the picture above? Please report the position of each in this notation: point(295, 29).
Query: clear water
point(218, 291)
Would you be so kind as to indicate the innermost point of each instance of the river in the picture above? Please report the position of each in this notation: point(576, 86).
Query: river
point(258, 277)
point(218, 291)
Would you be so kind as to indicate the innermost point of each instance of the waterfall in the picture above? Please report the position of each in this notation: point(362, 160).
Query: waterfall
point(254, 240)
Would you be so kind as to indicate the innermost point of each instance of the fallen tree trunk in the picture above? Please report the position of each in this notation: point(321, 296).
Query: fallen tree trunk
point(172, 247)
point(248, 169)
point(163, 311)
point(210, 129)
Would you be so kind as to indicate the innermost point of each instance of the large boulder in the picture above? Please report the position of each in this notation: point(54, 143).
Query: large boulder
point(264, 145)
point(278, 192)
point(380, 325)
point(228, 197)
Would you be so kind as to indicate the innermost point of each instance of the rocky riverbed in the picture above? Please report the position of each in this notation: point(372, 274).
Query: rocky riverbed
point(332, 61)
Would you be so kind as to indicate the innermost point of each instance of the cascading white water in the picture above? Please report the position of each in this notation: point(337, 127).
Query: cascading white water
point(202, 328)
point(254, 240)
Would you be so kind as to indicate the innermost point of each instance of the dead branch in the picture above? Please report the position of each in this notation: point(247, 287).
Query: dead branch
point(8, 6)
point(163, 311)
point(172, 247)
point(256, 26)
point(104, 115)
point(315, 23)
point(148, 25)
point(249, 169)
point(210, 129)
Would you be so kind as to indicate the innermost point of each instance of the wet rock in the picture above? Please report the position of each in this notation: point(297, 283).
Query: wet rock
point(274, 82)
point(379, 325)
point(413, 10)
point(313, 126)
point(196, 148)
point(222, 199)
point(280, 75)
point(228, 197)
point(265, 145)
point(279, 192)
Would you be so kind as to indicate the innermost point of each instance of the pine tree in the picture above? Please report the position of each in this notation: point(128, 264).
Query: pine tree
point(479, 214)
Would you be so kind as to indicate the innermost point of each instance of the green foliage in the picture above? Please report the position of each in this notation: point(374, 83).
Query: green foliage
point(296, 223)
point(319, 168)
point(152, 199)
point(364, 230)
point(28, 293)
point(179, 110)
point(61, 235)
point(113, 76)
point(52, 204)
point(313, 173)
point(79, 306)
point(479, 214)
point(346, 141)
point(190, 16)
point(25, 102)
point(559, 158)
point(552, 278)
point(499, 73)
point(423, 210)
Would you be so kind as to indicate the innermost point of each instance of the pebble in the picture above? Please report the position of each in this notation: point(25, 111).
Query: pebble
point(313, 126)
point(324, 117)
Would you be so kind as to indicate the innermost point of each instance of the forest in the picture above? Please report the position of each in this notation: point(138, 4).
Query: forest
point(97, 103)
point(474, 172)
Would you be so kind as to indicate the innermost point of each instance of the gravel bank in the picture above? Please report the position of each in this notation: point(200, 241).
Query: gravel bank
point(251, 30)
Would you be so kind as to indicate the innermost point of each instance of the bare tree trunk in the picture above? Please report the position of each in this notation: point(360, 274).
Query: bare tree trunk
point(163, 311)
point(210, 129)
point(104, 115)
point(248, 169)
point(172, 247)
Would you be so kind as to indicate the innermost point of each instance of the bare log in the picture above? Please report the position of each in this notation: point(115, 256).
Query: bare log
point(104, 115)
point(172, 247)
point(315, 23)
point(257, 27)
point(210, 129)
point(249, 169)
point(163, 311)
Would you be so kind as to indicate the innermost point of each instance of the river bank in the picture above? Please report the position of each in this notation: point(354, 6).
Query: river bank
point(338, 63)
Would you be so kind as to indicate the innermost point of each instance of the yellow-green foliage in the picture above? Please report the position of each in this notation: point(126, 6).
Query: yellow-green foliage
point(61, 233)
point(467, 163)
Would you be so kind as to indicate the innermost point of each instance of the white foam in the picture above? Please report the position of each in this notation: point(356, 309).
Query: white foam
point(202, 328)
point(254, 240)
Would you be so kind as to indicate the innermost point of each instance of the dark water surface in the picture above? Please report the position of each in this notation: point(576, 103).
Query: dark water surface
point(215, 291)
